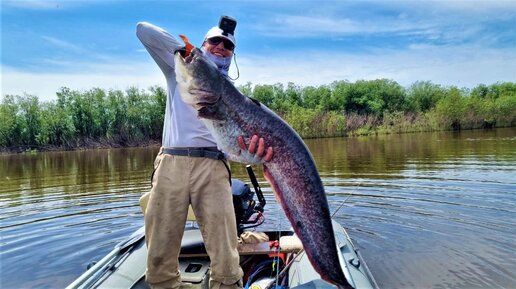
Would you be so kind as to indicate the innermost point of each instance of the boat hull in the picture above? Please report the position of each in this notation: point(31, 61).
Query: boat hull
point(125, 265)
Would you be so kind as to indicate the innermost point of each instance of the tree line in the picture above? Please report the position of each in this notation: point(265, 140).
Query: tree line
point(98, 117)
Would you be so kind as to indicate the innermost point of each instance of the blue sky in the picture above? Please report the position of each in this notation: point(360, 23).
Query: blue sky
point(86, 44)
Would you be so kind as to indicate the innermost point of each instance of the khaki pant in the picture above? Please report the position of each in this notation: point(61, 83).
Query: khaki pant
point(204, 183)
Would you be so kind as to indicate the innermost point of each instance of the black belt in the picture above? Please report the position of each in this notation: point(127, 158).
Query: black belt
point(196, 152)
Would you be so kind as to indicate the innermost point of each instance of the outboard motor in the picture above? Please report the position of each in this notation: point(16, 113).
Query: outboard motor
point(244, 203)
point(243, 200)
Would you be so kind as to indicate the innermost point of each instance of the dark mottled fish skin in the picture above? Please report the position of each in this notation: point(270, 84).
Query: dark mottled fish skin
point(291, 172)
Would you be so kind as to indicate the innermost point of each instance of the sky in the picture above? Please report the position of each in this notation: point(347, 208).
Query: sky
point(46, 45)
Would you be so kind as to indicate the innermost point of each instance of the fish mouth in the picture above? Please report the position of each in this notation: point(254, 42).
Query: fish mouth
point(185, 64)
point(188, 59)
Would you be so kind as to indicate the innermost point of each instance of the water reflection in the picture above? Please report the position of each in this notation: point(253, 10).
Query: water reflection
point(87, 169)
point(428, 210)
point(387, 155)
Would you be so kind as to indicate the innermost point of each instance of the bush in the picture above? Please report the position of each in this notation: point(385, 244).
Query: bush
point(423, 96)
point(342, 108)
point(311, 123)
point(10, 130)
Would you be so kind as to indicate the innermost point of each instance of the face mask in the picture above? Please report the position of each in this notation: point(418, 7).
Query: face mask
point(222, 63)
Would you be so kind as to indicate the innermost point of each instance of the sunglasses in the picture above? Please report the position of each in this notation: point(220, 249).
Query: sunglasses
point(216, 40)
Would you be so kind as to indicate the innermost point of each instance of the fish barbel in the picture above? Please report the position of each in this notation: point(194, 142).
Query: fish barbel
point(291, 172)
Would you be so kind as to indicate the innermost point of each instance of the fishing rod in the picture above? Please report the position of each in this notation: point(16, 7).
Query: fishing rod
point(285, 269)
point(342, 202)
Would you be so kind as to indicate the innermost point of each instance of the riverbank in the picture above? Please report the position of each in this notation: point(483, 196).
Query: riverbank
point(99, 119)
point(82, 145)
point(314, 124)
point(309, 132)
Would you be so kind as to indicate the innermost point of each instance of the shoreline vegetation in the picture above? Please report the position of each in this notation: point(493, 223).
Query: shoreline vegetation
point(99, 118)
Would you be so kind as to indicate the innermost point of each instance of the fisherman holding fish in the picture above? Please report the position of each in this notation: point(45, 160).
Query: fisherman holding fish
point(191, 170)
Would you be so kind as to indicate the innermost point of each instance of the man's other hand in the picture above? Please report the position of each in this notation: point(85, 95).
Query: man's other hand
point(256, 147)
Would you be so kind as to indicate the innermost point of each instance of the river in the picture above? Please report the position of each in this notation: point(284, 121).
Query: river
point(427, 210)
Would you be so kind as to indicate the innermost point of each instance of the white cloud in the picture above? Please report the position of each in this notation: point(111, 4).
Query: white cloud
point(295, 26)
point(459, 66)
point(114, 76)
point(463, 67)
point(448, 21)
point(63, 44)
point(471, 5)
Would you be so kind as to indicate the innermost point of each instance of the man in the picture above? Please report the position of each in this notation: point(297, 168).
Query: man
point(189, 170)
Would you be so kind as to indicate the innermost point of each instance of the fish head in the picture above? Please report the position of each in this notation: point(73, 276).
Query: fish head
point(199, 81)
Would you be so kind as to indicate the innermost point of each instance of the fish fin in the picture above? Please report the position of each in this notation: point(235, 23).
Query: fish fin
point(258, 103)
point(208, 113)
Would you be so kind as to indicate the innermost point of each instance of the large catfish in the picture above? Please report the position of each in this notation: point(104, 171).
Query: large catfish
point(291, 172)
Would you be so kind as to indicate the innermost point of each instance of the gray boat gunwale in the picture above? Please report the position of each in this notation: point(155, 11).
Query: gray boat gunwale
point(104, 271)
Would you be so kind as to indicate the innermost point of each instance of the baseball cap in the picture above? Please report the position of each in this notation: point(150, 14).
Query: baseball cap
point(217, 32)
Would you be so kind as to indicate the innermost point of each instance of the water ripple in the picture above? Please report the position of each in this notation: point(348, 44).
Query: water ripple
point(427, 211)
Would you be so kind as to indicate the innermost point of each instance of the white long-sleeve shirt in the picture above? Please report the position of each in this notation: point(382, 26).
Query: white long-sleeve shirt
point(182, 127)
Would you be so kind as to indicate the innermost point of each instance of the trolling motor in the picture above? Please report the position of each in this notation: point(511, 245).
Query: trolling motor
point(247, 212)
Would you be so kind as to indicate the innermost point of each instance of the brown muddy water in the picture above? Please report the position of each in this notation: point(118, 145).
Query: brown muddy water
point(432, 210)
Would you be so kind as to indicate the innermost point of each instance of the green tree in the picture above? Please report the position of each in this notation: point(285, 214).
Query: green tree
point(494, 91)
point(246, 89)
point(424, 95)
point(374, 97)
point(309, 96)
point(292, 95)
point(340, 94)
point(264, 93)
point(504, 108)
point(325, 98)
point(138, 119)
point(117, 116)
point(451, 108)
point(157, 111)
point(30, 118)
point(57, 125)
point(10, 123)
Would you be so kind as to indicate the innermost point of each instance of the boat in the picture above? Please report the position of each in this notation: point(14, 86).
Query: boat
point(269, 259)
